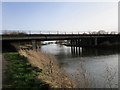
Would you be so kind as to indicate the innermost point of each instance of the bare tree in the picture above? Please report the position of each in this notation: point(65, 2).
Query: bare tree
point(101, 32)
point(13, 32)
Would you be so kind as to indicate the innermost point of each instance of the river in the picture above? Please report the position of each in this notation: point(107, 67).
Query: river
point(96, 68)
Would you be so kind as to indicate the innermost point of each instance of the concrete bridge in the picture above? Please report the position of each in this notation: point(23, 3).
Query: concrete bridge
point(81, 40)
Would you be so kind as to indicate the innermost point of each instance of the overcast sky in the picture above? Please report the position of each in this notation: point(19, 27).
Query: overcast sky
point(60, 16)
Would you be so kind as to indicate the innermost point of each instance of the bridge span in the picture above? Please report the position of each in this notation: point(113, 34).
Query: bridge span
point(82, 40)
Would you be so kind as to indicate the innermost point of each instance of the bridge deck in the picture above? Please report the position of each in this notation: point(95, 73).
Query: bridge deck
point(57, 36)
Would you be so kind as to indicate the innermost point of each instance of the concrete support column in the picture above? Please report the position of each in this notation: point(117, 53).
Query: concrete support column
point(34, 44)
point(76, 45)
point(75, 42)
point(71, 42)
point(39, 44)
point(72, 47)
point(90, 42)
point(96, 42)
point(79, 42)
point(83, 42)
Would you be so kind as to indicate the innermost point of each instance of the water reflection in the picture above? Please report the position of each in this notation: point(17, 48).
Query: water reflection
point(95, 61)
point(76, 51)
point(62, 52)
point(85, 52)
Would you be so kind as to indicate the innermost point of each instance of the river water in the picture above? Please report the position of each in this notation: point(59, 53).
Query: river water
point(94, 68)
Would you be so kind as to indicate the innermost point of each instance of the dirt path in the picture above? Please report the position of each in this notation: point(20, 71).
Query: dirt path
point(3, 66)
point(0, 70)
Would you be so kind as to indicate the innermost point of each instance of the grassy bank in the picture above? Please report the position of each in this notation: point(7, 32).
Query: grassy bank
point(34, 69)
point(20, 73)
point(50, 68)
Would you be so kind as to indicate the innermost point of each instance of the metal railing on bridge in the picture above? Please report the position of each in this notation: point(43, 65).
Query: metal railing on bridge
point(54, 32)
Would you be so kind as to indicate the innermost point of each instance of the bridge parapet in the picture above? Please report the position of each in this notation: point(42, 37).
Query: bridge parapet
point(55, 32)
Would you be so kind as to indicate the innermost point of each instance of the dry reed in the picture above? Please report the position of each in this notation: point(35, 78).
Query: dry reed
point(51, 71)
point(53, 75)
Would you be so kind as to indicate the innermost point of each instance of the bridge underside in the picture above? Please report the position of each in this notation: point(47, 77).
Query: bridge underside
point(78, 42)
point(73, 40)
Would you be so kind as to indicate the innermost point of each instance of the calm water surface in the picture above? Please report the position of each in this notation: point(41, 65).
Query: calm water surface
point(95, 63)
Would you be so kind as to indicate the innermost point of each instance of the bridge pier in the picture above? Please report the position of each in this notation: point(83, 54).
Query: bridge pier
point(34, 45)
point(84, 42)
point(96, 43)
point(38, 44)
point(90, 42)
point(76, 51)
point(76, 45)
point(75, 48)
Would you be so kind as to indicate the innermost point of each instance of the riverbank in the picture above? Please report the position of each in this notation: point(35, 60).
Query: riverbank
point(50, 68)
point(20, 73)
point(32, 69)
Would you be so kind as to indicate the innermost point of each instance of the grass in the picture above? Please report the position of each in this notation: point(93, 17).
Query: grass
point(20, 73)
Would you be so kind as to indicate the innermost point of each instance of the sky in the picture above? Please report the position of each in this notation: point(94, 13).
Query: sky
point(60, 16)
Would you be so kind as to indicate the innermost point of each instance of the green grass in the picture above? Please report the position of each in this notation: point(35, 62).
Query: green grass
point(20, 73)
